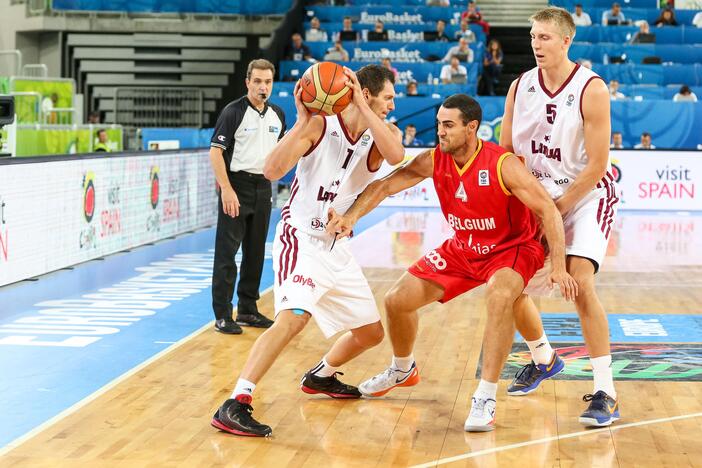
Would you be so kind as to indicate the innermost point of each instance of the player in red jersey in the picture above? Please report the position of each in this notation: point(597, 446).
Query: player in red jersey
point(486, 195)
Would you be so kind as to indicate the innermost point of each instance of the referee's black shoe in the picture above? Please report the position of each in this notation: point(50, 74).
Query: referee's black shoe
point(228, 326)
point(253, 318)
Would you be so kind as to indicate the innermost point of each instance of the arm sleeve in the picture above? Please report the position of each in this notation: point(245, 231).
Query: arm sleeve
point(227, 123)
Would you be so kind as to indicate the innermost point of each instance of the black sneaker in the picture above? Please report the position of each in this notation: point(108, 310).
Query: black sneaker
point(330, 386)
point(234, 417)
point(603, 410)
point(253, 319)
point(528, 378)
point(228, 326)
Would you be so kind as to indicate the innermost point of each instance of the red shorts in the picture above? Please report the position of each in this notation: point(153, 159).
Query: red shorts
point(449, 267)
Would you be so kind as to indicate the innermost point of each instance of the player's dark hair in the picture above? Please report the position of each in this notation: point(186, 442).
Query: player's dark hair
point(469, 107)
point(374, 77)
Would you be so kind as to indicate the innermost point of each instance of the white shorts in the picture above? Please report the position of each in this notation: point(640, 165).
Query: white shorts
point(329, 284)
point(587, 229)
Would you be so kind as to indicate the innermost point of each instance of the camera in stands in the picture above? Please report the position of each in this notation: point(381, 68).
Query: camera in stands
point(7, 110)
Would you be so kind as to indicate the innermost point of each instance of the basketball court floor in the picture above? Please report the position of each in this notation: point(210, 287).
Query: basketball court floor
point(116, 363)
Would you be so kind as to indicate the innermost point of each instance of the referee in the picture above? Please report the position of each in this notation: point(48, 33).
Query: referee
point(246, 131)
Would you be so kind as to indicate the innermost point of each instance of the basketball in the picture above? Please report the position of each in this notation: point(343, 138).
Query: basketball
point(324, 89)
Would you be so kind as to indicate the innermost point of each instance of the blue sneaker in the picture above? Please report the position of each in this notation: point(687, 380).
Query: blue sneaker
point(530, 376)
point(603, 410)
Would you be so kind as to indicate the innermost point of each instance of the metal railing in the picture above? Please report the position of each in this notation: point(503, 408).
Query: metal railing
point(37, 7)
point(18, 62)
point(36, 70)
point(158, 107)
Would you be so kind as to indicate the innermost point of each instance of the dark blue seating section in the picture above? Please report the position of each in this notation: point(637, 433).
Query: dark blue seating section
point(661, 75)
point(682, 54)
point(622, 34)
point(234, 7)
point(589, 4)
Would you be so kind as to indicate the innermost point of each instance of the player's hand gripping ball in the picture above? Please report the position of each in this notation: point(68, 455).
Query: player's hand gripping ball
point(324, 89)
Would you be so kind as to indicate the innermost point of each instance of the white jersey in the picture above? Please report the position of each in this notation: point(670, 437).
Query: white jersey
point(547, 128)
point(331, 175)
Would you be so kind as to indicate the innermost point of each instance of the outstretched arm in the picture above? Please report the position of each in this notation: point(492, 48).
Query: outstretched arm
point(403, 178)
point(529, 191)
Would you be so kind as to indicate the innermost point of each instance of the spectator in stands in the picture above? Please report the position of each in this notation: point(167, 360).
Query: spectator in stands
point(454, 72)
point(441, 3)
point(298, 50)
point(462, 51)
point(697, 20)
point(337, 53)
point(645, 142)
point(347, 33)
point(379, 33)
point(386, 63)
point(315, 33)
point(47, 108)
point(412, 89)
point(410, 136)
point(439, 34)
point(102, 145)
point(94, 117)
point(585, 63)
point(465, 32)
point(614, 93)
point(613, 16)
point(685, 95)
point(473, 15)
point(666, 18)
point(643, 35)
point(617, 141)
point(580, 18)
point(492, 66)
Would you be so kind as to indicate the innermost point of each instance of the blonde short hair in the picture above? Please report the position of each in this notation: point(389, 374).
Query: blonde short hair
point(559, 16)
point(259, 64)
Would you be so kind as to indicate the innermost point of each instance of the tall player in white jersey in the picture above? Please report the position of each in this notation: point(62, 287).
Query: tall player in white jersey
point(557, 115)
point(315, 275)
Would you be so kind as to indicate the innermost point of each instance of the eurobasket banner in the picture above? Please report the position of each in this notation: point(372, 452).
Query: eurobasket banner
point(68, 140)
point(59, 213)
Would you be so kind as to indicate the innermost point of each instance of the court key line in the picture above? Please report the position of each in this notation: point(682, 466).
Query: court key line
point(107, 387)
point(465, 456)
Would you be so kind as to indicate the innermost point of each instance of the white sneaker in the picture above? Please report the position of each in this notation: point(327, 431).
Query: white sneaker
point(389, 379)
point(482, 415)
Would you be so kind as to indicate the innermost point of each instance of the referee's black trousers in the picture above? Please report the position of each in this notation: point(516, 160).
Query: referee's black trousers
point(248, 230)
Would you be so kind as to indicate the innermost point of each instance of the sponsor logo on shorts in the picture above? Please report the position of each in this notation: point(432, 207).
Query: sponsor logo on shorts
point(304, 281)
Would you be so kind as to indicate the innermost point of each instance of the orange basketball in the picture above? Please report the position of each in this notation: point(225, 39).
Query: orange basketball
point(324, 89)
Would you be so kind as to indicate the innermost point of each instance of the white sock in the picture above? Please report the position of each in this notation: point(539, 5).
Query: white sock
point(602, 373)
point(243, 387)
point(323, 369)
point(486, 390)
point(541, 350)
point(403, 363)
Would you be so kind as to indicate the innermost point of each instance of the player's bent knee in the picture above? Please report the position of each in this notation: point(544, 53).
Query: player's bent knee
point(292, 322)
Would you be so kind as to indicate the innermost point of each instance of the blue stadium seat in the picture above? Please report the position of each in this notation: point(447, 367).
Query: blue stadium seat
point(232, 7)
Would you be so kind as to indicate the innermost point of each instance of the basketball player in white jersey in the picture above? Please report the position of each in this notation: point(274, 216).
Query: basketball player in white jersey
point(315, 274)
point(557, 115)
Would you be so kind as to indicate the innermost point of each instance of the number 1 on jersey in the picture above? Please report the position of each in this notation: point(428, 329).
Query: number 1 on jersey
point(349, 153)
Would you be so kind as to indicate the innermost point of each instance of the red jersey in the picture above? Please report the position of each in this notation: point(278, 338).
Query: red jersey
point(485, 216)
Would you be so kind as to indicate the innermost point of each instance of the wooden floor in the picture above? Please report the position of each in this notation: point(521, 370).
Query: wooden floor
point(160, 416)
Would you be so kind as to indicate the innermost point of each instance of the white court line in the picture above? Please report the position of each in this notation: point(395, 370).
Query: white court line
point(443, 461)
point(107, 387)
